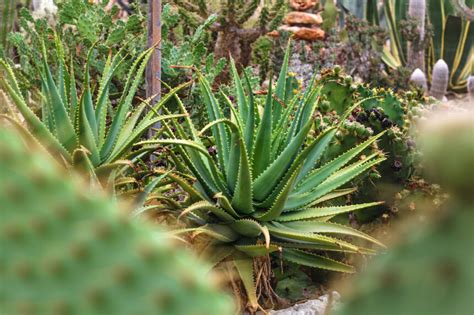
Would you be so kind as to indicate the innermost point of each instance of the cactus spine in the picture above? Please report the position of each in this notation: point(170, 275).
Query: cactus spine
point(65, 250)
point(417, 11)
point(418, 77)
point(439, 80)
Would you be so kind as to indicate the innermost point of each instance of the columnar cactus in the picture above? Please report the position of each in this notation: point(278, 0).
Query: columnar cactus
point(439, 80)
point(65, 250)
point(418, 77)
point(417, 11)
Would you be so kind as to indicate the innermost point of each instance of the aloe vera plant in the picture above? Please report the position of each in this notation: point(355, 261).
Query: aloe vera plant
point(265, 190)
point(85, 131)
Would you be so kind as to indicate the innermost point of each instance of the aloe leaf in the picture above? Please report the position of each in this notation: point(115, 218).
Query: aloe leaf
point(86, 135)
point(323, 247)
point(244, 266)
point(329, 228)
point(224, 203)
point(280, 90)
point(263, 141)
point(315, 261)
point(219, 131)
point(34, 123)
point(282, 232)
point(239, 91)
point(207, 206)
point(125, 102)
point(267, 180)
point(296, 201)
point(280, 201)
point(64, 127)
point(257, 250)
point(308, 152)
point(141, 198)
point(250, 120)
point(319, 175)
point(248, 227)
point(319, 212)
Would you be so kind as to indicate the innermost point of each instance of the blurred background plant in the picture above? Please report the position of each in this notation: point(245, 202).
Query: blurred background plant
point(68, 248)
point(429, 271)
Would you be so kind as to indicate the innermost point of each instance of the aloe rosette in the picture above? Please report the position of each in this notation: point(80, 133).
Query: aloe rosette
point(84, 130)
point(265, 190)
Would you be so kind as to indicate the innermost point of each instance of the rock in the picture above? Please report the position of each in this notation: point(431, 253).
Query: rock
point(303, 18)
point(304, 33)
point(303, 5)
point(312, 307)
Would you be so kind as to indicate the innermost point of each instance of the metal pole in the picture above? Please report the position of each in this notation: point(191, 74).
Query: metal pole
point(153, 77)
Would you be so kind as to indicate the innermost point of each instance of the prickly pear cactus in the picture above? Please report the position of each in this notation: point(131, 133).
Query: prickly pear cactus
point(432, 271)
point(380, 110)
point(64, 249)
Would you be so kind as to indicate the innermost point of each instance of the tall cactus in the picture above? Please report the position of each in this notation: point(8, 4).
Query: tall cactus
point(415, 52)
point(439, 80)
point(65, 249)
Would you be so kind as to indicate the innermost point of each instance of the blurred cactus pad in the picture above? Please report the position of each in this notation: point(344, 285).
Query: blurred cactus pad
point(431, 271)
point(65, 249)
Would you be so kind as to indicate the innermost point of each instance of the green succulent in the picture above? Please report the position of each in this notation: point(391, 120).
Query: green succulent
point(67, 250)
point(85, 131)
point(265, 190)
point(430, 272)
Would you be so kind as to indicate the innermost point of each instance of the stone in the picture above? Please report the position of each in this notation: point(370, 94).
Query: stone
point(304, 33)
point(311, 307)
point(303, 5)
point(303, 18)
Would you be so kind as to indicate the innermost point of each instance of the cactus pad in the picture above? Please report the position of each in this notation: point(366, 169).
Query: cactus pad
point(65, 250)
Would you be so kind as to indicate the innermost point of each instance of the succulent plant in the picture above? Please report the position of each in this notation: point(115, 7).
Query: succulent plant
point(418, 77)
point(264, 190)
point(67, 250)
point(439, 80)
point(431, 271)
point(78, 130)
point(384, 111)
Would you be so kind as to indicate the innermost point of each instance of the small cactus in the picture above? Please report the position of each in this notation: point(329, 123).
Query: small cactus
point(418, 77)
point(470, 87)
point(417, 11)
point(439, 80)
point(65, 250)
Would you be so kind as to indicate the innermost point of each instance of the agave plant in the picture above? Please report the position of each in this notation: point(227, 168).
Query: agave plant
point(81, 131)
point(265, 190)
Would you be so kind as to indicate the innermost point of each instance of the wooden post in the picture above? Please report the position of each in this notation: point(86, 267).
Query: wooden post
point(153, 77)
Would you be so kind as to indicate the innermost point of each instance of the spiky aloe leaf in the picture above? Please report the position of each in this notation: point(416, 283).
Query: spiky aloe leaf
point(316, 261)
point(311, 213)
point(329, 228)
point(262, 148)
point(244, 266)
point(207, 206)
point(257, 250)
